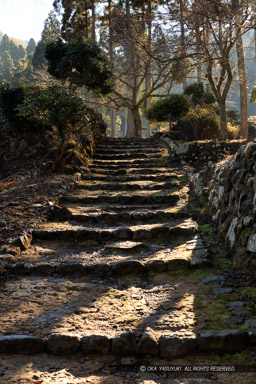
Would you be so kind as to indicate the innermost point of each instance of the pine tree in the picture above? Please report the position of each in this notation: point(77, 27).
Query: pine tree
point(6, 66)
point(31, 47)
point(51, 33)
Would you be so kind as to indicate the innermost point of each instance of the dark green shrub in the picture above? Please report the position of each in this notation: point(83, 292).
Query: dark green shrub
point(199, 124)
point(56, 106)
point(198, 95)
point(81, 63)
point(11, 98)
point(169, 108)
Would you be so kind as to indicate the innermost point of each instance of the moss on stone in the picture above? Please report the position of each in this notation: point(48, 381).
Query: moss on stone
point(206, 228)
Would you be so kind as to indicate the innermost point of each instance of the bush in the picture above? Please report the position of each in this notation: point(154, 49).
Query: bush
point(233, 131)
point(198, 95)
point(169, 108)
point(199, 124)
point(11, 97)
point(55, 117)
point(56, 106)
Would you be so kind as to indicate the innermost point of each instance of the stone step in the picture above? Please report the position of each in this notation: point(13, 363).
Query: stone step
point(131, 171)
point(71, 232)
point(116, 208)
point(132, 162)
point(132, 186)
point(107, 149)
point(110, 261)
point(62, 317)
point(121, 165)
point(157, 215)
point(132, 198)
point(127, 156)
point(134, 177)
point(127, 142)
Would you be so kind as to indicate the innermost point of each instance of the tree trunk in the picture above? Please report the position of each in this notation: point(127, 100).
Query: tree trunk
point(111, 61)
point(130, 131)
point(223, 120)
point(137, 122)
point(113, 122)
point(148, 78)
point(183, 44)
point(134, 124)
point(93, 30)
point(242, 86)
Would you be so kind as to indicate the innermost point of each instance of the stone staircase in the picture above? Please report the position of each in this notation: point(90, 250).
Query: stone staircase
point(114, 270)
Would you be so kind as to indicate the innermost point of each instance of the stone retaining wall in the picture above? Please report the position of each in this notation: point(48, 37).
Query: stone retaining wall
point(228, 192)
point(205, 153)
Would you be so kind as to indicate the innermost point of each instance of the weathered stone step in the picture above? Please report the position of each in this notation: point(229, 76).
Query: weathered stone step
point(132, 162)
point(169, 345)
point(63, 317)
point(132, 198)
point(112, 260)
point(130, 141)
point(72, 232)
point(133, 177)
point(131, 171)
point(109, 167)
point(107, 149)
point(157, 215)
point(127, 156)
point(132, 186)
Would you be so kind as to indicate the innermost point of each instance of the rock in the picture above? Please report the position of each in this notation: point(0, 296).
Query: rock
point(221, 291)
point(172, 346)
point(23, 241)
point(148, 344)
point(23, 344)
point(43, 269)
point(213, 279)
point(58, 213)
point(241, 312)
point(95, 343)
point(69, 269)
point(225, 340)
point(251, 245)
point(104, 236)
point(125, 246)
point(231, 235)
point(182, 149)
point(123, 233)
point(3, 223)
point(125, 344)
point(177, 264)
point(156, 266)
point(235, 304)
point(198, 262)
point(127, 267)
point(100, 269)
point(63, 344)
point(142, 234)
point(251, 323)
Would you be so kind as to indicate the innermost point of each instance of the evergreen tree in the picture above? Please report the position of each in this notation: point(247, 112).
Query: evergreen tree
point(6, 66)
point(4, 46)
point(51, 33)
point(31, 47)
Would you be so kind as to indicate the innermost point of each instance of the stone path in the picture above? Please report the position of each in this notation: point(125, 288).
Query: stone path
point(116, 271)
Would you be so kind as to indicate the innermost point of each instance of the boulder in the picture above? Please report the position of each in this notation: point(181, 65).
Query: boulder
point(59, 344)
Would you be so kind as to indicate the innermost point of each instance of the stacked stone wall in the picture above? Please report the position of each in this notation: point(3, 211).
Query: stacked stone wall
point(204, 153)
point(228, 192)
